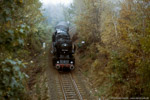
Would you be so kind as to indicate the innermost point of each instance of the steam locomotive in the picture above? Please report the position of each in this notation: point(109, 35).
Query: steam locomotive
point(62, 47)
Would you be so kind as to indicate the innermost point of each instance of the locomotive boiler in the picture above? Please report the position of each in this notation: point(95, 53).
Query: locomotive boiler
point(62, 47)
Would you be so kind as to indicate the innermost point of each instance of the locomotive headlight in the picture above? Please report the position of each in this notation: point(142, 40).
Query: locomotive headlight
point(71, 62)
point(65, 45)
point(57, 62)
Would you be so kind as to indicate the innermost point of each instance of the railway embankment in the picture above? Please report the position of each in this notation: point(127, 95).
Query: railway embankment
point(37, 83)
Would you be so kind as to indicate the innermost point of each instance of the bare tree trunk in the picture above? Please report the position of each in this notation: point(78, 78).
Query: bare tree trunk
point(115, 26)
point(96, 21)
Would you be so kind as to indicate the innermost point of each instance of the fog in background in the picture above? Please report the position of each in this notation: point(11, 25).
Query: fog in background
point(56, 10)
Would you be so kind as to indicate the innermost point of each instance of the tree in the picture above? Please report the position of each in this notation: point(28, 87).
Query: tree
point(88, 15)
point(18, 20)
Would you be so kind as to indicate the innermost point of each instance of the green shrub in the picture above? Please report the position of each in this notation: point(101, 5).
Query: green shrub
point(11, 79)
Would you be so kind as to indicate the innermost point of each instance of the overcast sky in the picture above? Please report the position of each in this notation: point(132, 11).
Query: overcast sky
point(65, 2)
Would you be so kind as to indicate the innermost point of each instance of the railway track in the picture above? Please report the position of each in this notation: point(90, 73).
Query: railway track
point(69, 88)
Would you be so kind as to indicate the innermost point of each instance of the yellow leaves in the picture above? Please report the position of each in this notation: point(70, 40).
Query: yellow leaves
point(96, 63)
point(133, 48)
point(25, 63)
point(20, 22)
point(145, 44)
point(102, 50)
point(138, 62)
point(15, 43)
point(35, 30)
point(9, 57)
point(8, 89)
point(7, 24)
point(21, 1)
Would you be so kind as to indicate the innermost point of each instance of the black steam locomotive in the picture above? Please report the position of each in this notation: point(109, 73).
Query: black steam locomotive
point(62, 47)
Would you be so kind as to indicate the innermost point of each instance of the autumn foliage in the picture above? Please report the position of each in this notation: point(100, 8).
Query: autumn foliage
point(120, 58)
point(21, 35)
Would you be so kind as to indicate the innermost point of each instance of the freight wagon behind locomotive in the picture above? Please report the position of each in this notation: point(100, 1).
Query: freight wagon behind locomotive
point(62, 47)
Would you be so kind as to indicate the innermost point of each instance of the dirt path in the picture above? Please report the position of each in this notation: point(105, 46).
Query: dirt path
point(52, 76)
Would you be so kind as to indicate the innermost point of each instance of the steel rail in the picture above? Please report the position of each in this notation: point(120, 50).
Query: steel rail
point(76, 87)
point(69, 87)
point(62, 88)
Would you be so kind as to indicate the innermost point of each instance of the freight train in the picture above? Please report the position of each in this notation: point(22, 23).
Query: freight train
point(62, 47)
